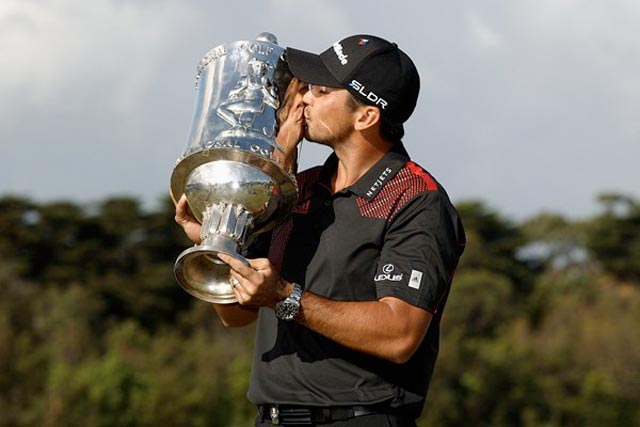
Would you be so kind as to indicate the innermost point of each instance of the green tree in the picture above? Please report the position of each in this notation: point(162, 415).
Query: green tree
point(614, 237)
point(492, 243)
point(537, 332)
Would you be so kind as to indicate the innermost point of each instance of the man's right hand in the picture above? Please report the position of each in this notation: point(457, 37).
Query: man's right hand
point(291, 124)
point(184, 217)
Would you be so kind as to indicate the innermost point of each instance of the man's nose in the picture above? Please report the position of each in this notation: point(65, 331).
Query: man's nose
point(307, 97)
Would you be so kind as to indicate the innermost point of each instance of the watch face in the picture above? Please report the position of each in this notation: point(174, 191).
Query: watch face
point(287, 310)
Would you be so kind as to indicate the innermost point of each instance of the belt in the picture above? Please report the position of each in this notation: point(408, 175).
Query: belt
point(309, 415)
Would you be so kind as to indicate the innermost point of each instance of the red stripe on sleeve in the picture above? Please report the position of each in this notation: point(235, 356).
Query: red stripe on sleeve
point(428, 179)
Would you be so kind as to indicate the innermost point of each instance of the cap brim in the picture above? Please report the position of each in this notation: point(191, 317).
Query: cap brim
point(308, 67)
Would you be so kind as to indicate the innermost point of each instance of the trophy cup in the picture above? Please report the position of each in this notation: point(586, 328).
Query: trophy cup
point(230, 170)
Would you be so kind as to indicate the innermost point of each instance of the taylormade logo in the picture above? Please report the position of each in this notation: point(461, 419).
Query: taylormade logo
point(359, 87)
point(337, 48)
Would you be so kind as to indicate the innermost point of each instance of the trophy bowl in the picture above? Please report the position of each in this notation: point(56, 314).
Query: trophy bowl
point(230, 171)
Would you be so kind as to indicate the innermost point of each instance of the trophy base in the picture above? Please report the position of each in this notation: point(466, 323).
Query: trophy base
point(202, 274)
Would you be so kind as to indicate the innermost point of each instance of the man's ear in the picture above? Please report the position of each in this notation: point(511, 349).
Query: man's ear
point(368, 116)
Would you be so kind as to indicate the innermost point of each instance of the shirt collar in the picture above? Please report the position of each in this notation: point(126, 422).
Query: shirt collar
point(374, 180)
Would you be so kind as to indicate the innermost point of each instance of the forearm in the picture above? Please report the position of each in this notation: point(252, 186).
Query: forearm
point(287, 159)
point(236, 315)
point(389, 328)
point(291, 130)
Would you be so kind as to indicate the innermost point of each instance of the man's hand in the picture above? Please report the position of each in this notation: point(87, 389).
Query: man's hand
point(184, 217)
point(291, 123)
point(258, 284)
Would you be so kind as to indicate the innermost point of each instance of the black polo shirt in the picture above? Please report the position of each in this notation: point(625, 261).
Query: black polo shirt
point(394, 233)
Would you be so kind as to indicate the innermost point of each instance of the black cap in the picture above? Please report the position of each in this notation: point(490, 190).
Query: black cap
point(374, 70)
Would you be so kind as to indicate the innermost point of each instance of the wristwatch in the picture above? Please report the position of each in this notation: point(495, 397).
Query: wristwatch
point(289, 308)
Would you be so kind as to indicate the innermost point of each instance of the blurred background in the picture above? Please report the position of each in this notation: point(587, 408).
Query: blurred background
point(528, 115)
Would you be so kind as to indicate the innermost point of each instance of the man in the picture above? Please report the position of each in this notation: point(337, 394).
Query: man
point(352, 291)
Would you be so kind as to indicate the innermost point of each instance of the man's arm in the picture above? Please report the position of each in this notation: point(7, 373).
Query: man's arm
point(236, 315)
point(290, 118)
point(422, 238)
point(389, 328)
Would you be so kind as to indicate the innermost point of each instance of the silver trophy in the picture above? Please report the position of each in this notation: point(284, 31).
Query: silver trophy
point(230, 169)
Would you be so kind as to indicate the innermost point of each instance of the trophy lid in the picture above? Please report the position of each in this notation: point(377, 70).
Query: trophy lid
point(267, 37)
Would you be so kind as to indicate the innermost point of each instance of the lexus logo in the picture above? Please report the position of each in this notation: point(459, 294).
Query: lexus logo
point(386, 275)
point(388, 268)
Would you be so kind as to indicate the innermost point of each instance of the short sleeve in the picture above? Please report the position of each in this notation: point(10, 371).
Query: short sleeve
point(420, 252)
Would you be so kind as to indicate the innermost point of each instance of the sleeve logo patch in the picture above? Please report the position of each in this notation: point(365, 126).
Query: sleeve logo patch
point(415, 279)
point(388, 268)
point(387, 275)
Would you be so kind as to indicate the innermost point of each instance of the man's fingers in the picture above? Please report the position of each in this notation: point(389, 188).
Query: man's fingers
point(237, 265)
point(242, 288)
point(259, 264)
point(238, 289)
point(299, 112)
point(240, 295)
point(181, 206)
point(183, 211)
point(233, 280)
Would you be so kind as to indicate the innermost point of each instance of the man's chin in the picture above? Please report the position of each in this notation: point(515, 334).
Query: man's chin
point(309, 138)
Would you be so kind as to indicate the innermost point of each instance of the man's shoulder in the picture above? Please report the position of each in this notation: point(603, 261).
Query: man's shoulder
point(412, 176)
point(411, 180)
point(411, 183)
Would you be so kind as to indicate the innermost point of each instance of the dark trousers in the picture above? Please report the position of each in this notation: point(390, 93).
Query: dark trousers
point(372, 420)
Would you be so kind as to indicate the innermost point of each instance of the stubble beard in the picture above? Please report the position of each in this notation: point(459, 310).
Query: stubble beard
point(330, 138)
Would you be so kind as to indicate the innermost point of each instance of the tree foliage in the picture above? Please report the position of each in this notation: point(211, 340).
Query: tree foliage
point(539, 329)
point(614, 237)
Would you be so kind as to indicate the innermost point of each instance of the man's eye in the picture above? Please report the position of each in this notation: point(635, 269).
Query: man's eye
point(318, 90)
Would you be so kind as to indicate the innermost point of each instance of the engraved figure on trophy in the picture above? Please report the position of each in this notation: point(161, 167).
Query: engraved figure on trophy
point(249, 96)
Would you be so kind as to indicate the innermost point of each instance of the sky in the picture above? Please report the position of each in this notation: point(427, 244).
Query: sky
point(530, 106)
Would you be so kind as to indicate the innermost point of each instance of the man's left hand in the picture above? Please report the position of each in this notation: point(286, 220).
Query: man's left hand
point(258, 284)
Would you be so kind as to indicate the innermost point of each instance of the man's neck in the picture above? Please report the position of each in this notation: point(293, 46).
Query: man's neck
point(355, 158)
